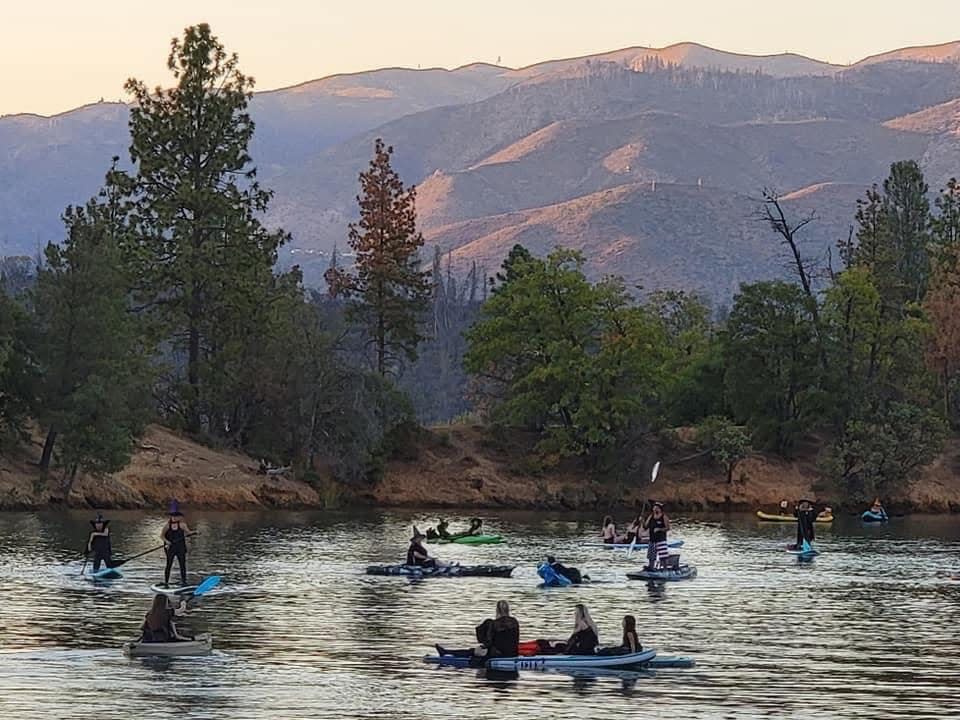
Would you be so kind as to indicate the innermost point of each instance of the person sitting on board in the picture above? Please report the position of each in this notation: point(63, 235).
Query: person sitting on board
point(825, 514)
point(877, 509)
point(570, 573)
point(99, 543)
point(608, 531)
point(806, 516)
point(417, 554)
point(630, 643)
point(174, 537)
point(499, 637)
point(158, 625)
point(585, 637)
point(476, 526)
point(784, 508)
point(441, 533)
point(658, 525)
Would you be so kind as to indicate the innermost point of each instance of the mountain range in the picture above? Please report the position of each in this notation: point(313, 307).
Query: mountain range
point(651, 161)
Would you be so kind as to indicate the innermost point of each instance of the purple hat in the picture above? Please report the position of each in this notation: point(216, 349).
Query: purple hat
point(174, 508)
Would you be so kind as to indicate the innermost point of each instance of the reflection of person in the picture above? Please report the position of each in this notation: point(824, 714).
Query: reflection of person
point(499, 637)
point(158, 625)
point(174, 536)
point(99, 543)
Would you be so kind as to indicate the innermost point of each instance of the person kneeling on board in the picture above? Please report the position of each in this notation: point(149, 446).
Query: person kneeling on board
point(499, 637)
point(99, 543)
point(158, 625)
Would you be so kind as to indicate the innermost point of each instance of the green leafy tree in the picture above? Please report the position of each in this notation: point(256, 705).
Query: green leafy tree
point(771, 362)
point(727, 443)
point(203, 261)
point(880, 453)
point(94, 369)
point(388, 293)
point(17, 370)
point(577, 362)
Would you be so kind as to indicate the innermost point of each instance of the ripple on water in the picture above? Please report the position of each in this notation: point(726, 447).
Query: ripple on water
point(301, 632)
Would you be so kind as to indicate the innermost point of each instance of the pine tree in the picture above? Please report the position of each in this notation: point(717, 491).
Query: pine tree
point(94, 365)
point(388, 292)
point(204, 263)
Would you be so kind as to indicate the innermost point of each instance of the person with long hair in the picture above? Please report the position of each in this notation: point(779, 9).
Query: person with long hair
point(174, 537)
point(608, 531)
point(417, 554)
point(158, 625)
point(499, 637)
point(630, 642)
point(585, 636)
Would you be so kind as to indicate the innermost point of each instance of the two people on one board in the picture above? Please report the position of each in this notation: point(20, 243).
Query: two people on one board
point(500, 637)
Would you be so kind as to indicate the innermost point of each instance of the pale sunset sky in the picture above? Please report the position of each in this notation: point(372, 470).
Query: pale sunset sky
point(58, 54)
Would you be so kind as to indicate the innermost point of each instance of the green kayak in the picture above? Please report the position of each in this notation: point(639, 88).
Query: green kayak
point(471, 540)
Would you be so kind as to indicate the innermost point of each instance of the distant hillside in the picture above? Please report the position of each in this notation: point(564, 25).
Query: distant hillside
point(649, 159)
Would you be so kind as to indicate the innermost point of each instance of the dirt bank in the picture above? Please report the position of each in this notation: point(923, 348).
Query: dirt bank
point(164, 466)
point(451, 467)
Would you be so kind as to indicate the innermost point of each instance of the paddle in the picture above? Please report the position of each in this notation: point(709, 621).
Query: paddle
point(653, 479)
point(147, 552)
point(86, 557)
point(206, 586)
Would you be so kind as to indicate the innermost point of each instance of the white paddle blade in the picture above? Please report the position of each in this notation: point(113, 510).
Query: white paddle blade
point(656, 471)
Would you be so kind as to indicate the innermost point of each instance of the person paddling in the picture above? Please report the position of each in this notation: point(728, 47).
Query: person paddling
point(174, 536)
point(158, 625)
point(570, 573)
point(499, 637)
point(417, 554)
point(658, 525)
point(99, 543)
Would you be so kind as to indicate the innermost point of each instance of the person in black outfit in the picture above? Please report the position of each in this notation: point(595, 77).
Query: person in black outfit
point(174, 536)
point(658, 525)
point(499, 637)
point(99, 543)
point(570, 573)
point(806, 516)
point(417, 554)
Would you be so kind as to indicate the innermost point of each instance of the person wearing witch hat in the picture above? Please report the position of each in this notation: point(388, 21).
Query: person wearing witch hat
point(174, 536)
point(99, 543)
point(417, 554)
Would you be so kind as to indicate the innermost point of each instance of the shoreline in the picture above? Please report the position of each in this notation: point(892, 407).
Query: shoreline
point(452, 468)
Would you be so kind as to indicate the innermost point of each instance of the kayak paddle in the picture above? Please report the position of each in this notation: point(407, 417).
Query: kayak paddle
point(147, 552)
point(653, 478)
point(207, 585)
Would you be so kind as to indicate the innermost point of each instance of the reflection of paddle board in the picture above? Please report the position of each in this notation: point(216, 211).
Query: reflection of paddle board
point(173, 591)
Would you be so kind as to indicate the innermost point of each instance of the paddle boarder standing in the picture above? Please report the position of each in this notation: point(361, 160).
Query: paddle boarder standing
point(174, 536)
point(806, 516)
point(99, 543)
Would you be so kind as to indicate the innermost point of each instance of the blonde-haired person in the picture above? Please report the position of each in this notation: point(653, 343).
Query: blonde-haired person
point(585, 637)
point(499, 637)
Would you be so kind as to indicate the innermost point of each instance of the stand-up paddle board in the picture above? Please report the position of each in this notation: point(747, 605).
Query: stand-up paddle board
point(172, 591)
point(106, 574)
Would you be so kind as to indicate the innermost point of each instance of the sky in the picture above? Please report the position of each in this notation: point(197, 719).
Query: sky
point(58, 54)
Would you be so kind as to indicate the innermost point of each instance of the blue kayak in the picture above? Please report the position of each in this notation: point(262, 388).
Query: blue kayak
point(869, 516)
point(551, 578)
point(106, 574)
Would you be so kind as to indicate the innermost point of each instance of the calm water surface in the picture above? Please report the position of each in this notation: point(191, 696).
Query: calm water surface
point(867, 630)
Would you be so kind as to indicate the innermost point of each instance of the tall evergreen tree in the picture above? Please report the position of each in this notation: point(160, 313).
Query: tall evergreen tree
point(93, 362)
point(388, 292)
point(203, 260)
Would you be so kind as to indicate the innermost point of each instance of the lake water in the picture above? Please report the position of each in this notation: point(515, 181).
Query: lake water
point(867, 630)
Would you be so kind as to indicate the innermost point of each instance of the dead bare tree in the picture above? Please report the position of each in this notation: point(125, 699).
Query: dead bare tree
point(776, 219)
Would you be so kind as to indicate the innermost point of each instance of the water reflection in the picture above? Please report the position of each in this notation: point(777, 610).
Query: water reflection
point(301, 632)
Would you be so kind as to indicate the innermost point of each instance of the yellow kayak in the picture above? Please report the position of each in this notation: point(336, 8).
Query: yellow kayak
point(770, 517)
